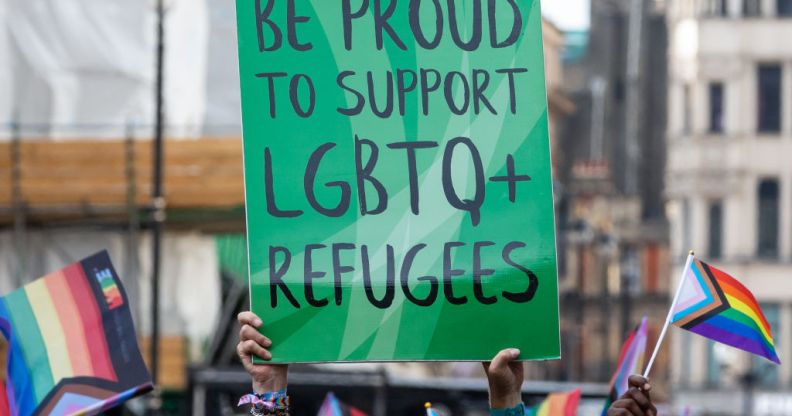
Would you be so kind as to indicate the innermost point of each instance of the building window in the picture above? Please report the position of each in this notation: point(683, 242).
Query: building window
point(768, 219)
point(716, 102)
point(752, 8)
point(650, 268)
point(715, 246)
point(713, 366)
point(769, 98)
point(784, 8)
point(687, 109)
point(718, 8)
point(686, 353)
point(766, 372)
point(686, 226)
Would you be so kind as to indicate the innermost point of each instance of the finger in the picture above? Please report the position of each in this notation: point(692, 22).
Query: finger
point(249, 318)
point(619, 412)
point(251, 348)
point(613, 411)
point(621, 404)
point(516, 367)
point(243, 356)
point(503, 358)
point(639, 397)
point(636, 410)
point(639, 382)
point(247, 332)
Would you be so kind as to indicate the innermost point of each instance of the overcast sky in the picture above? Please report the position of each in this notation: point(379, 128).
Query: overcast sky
point(567, 14)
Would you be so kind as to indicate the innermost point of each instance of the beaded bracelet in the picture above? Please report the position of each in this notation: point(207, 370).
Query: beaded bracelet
point(269, 403)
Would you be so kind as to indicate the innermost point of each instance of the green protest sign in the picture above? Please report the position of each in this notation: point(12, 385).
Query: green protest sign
point(397, 176)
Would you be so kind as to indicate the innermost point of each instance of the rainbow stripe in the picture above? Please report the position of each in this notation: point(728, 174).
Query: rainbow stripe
point(558, 404)
point(333, 407)
point(631, 361)
point(110, 289)
point(65, 343)
point(717, 306)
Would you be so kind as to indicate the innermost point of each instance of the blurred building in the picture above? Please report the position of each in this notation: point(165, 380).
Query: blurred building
point(559, 105)
point(730, 186)
point(613, 238)
point(76, 120)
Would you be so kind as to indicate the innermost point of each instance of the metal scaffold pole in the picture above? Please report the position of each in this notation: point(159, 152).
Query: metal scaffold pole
point(18, 207)
point(131, 266)
point(158, 201)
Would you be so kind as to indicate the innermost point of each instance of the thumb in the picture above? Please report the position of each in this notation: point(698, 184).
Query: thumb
point(639, 382)
point(502, 360)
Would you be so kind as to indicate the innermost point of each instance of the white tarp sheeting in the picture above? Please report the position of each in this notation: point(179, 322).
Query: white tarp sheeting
point(223, 115)
point(87, 67)
point(5, 72)
point(190, 287)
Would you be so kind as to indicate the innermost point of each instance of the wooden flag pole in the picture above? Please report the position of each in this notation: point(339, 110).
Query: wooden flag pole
point(670, 313)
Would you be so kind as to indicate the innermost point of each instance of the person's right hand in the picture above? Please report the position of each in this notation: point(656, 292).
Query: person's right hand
point(265, 377)
point(636, 401)
point(505, 376)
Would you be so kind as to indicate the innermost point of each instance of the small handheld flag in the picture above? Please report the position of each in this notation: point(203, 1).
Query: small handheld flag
point(631, 360)
point(430, 411)
point(558, 404)
point(71, 344)
point(333, 407)
point(715, 305)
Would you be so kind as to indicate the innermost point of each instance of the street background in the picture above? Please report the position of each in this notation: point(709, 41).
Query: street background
point(671, 130)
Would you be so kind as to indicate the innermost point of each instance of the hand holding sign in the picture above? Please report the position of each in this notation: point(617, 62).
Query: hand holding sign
point(505, 376)
point(253, 343)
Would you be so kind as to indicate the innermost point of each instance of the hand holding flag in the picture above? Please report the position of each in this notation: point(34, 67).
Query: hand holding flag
point(631, 359)
point(635, 401)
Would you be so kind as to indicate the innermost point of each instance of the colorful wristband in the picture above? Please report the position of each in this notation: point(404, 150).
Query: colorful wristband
point(268, 403)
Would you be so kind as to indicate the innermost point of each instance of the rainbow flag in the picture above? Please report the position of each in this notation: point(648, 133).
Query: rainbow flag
point(557, 404)
point(631, 361)
point(333, 407)
point(716, 306)
point(72, 348)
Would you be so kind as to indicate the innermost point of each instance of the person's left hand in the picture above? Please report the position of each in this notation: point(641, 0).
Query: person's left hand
point(505, 376)
point(265, 377)
point(636, 401)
